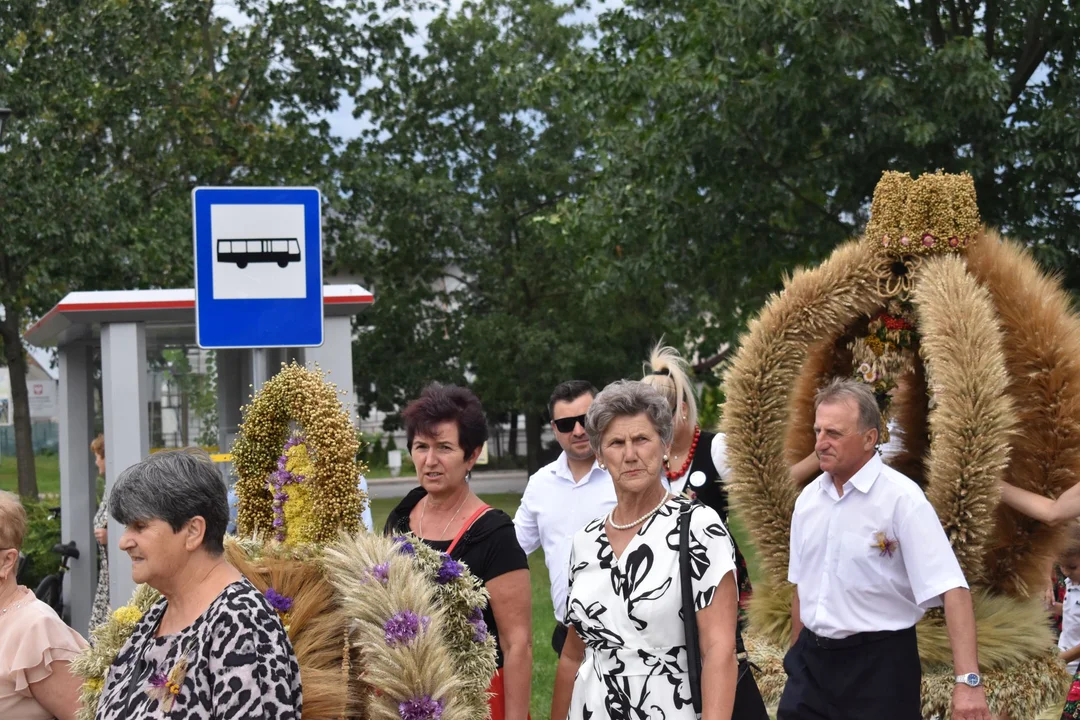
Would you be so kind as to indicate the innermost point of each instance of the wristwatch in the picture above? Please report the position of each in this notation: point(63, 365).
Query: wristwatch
point(971, 680)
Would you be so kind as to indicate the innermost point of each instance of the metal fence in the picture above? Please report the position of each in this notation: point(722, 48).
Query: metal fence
point(46, 438)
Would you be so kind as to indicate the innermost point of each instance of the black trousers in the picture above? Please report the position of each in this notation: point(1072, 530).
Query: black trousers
point(558, 638)
point(874, 675)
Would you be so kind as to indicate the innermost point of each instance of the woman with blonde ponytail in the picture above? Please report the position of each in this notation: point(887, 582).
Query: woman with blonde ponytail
point(696, 465)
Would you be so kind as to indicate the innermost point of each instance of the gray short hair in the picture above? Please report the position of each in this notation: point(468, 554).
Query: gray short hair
point(174, 486)
point(840, 389)
point(626, 398)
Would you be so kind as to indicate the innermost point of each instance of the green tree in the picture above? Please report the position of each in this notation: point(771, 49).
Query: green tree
point(740, 138)
point(470, 148)
point(121, 107)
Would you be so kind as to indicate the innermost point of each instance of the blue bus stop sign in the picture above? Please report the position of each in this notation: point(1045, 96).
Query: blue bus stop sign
point(258, 267)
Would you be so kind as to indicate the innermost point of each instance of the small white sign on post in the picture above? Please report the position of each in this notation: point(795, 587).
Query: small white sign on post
point(42, 395)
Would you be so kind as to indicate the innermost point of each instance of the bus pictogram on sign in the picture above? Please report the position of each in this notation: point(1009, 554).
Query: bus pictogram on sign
point(242, 251)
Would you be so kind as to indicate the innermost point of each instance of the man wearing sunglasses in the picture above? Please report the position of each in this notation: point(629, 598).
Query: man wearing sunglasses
point(564, 496)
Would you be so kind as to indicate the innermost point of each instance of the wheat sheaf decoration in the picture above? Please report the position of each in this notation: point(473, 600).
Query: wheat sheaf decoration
point(974, 353)
point(382, 628)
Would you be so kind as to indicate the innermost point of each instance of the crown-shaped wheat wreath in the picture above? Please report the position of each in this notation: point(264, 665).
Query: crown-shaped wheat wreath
point(984, 385)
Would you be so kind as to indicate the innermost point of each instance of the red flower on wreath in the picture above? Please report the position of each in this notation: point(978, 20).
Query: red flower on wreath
point(1074, 693)
point(894, 323)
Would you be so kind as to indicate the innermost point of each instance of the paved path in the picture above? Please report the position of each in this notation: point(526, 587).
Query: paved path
point(484, 481)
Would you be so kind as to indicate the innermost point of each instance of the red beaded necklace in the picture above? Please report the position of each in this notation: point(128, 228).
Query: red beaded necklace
point(689, 458)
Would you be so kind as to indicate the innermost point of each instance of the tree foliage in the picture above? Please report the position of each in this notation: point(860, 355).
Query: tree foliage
point(746, 136)
point(540, 203)
point(121, 107)
point(470, 148)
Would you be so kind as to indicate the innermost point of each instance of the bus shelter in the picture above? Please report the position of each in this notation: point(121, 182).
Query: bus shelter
point(124, 324)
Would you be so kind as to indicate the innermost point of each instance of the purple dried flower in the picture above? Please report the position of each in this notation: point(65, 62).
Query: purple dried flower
point(404, 546)
point(422, 708)
point(480, 628)
point(278, 601)
point(404, 627)
point(294, 441)
point(281, 463)
point(159, 680)
point(451, 570)
point(381, 572)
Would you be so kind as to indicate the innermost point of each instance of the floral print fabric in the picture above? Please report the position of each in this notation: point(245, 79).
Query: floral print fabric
point(627, 610)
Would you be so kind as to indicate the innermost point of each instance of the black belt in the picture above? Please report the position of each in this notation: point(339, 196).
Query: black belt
point(852, 640)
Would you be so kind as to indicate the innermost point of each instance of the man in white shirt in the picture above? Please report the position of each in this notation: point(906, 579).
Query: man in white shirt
point(868, 557)
point(564, 496)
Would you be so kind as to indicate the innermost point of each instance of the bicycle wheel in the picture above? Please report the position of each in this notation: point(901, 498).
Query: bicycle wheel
point(49, 591)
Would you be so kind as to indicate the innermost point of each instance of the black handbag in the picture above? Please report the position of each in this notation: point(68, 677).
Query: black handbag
point(749, 704)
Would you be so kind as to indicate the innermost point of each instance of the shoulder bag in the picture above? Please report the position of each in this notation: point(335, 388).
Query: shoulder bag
point(748, 702)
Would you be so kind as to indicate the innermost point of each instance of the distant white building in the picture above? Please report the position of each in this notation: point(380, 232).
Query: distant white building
point(42, 382)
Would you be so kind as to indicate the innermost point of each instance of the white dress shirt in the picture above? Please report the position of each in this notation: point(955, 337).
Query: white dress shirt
point(1070, 621)
point(874, 559)
point(553, 508)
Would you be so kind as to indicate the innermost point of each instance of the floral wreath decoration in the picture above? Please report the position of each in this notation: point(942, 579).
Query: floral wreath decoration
point(943, 313)
point(382, 628)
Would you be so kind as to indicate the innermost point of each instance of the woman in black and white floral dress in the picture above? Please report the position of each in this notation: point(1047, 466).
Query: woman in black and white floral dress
point(213, 647)
point(625, 655)
point(100, 612)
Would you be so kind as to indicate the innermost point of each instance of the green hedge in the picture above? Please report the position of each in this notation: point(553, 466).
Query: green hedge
point(42, 533)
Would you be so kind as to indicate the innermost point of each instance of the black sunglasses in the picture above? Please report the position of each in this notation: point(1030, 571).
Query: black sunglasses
point(566, 424)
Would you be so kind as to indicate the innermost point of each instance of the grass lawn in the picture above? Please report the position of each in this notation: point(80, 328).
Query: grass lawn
point(48, 474)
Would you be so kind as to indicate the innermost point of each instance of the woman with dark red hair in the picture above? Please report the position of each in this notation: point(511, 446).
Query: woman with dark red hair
point(445, 428)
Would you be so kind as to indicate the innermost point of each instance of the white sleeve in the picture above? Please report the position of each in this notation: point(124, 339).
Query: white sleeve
point(895, 444)
point(528, 533)
point(794, 562)
point(365, 517)
point(711, 553)
point(719, 456)
point(929, 560)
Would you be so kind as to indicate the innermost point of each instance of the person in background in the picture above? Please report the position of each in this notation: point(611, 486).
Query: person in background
point(445, 430)
point(100, 611)
point(697, 464)
point(1069, 641)
point(213, 647)
point(234, 502)
point(563, 496)
point(36, 647)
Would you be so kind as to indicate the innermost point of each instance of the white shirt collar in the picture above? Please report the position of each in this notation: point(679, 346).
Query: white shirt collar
point(862, 480)
point(562, 469)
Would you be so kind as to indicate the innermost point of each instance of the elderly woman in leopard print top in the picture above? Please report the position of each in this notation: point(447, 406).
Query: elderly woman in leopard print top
point(212, 647)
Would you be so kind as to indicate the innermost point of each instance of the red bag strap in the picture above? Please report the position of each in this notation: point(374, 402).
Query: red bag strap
point(465, 527)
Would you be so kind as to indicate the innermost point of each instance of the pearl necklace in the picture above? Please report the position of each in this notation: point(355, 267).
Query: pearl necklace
point(15, 605)
point(643, 518)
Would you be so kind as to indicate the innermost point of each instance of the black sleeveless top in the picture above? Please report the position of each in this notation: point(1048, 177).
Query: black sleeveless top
point(712, 493)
